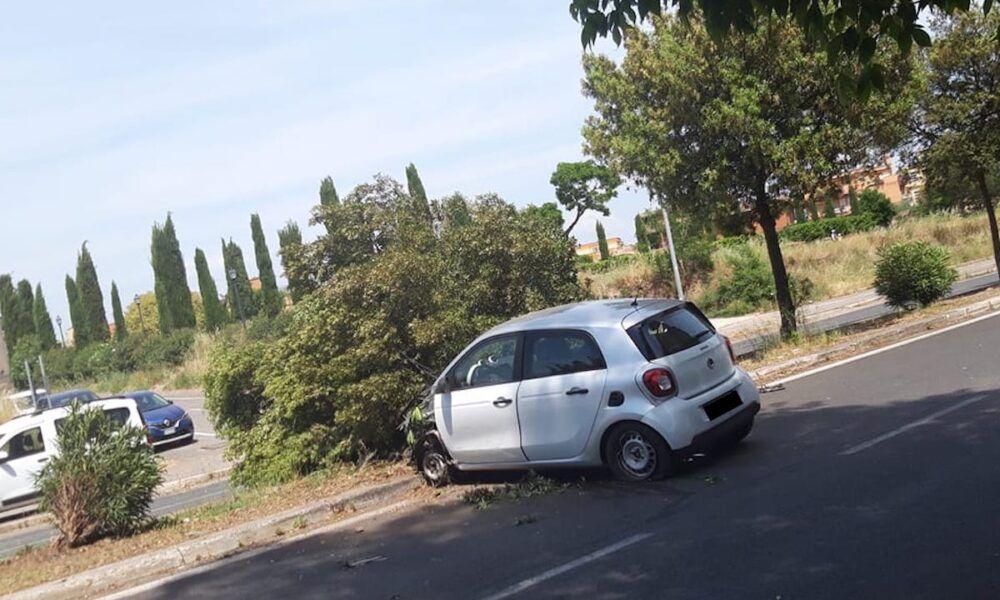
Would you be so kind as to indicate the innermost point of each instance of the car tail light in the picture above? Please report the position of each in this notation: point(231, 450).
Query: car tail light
point(729, 346)
point(660, 382)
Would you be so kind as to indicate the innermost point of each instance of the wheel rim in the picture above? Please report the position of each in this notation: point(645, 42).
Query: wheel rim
point(434, 466)
point(636, 455)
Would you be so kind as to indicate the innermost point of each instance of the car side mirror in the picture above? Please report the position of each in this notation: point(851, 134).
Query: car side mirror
point(3, 456)
point(443, 386)
point(170, 401)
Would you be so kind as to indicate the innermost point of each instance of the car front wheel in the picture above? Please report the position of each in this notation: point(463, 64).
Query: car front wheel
point(635, 452)
point(433, 463)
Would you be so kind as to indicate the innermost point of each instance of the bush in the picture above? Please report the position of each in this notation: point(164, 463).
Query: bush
point(101, 482)
point(733, 240)
point(876, 206)
point(28, 348)
point(909, 273)
point(811, 231)
point(749, 285)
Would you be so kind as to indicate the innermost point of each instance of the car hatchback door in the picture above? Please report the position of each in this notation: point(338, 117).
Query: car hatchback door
point(26, 456)
point(475, 410)
point(561, 392)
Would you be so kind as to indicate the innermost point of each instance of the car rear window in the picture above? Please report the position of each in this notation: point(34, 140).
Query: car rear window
point(670, 332)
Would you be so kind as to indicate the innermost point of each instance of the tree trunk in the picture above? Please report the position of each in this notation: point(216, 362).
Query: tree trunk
point(786, 306)
point(991, 214)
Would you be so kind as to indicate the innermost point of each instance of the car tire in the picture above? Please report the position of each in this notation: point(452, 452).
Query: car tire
point(635, 452)
point(433, 463)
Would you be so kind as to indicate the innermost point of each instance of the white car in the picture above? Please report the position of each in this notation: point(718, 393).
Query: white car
point(629, 384)
point(29, 441)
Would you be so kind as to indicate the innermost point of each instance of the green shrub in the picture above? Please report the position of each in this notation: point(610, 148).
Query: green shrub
point(96, 360)
point(101, 482)
point(28, 348)
point(876, 206)
point(811, 231)
point(747, 287)
point(233, 397)
point(733, 240)
point(909, 273)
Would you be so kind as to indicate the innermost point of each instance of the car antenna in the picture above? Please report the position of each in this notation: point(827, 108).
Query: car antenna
point(635, 301)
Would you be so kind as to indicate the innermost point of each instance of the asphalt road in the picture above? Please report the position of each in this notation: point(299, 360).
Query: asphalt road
point(866, 313)
point(875, 479)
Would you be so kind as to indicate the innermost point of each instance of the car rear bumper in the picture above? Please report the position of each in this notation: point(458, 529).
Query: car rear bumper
point(723, 432)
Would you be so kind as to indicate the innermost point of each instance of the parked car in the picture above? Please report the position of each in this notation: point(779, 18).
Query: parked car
point(634, 385)
point(29, 441)
point(66, 398)
point(167, 422)
point(24, 402)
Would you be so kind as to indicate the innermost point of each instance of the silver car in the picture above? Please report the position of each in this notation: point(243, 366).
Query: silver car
point(634, 385)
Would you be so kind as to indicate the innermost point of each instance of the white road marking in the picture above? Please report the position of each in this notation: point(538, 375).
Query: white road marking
point(909, 426)
point(841, 363)
point(533, 581)
point(203, 433)
point(172, 505)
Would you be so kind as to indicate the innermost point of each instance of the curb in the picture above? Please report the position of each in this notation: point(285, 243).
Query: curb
point(890, 333)
point(107, 578)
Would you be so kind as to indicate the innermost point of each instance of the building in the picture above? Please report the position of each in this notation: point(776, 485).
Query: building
point(616, 247)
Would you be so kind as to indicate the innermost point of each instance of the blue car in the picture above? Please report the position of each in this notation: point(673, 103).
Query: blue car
point(166, 421)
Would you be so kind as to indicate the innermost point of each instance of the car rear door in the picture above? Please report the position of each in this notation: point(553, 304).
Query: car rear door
point(26, 455)
point(561, 392)
point(476, 412)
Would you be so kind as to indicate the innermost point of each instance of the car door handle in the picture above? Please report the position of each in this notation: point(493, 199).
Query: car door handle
point(502, 402)
point(577, 391)
point(41, 460)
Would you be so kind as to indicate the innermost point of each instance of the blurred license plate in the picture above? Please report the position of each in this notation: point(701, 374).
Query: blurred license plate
point(170, 431)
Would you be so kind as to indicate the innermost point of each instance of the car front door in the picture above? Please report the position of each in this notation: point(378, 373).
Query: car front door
point(26, 456)
point(560, 394)
point(476, 412)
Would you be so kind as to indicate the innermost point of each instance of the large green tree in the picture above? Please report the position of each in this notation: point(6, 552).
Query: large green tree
point(121, 329)
point(215, 312)
point(24, 320)
point(418, 195)
point(641, 235)
point(959, 115)
point(548, 214)
point(8, 296)
point(173, 295)
point(602, 242)
point(73, 300)
point(290, 247)
point(90, 302)
point(843, 29)
point(742, 122)
point(583, 186)
point(328, 192)
point(43, 321)
point(270, 297)
point(239, 294)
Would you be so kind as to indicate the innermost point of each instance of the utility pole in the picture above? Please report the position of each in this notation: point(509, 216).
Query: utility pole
point(236, 296)
point(670, 248)
point(61, 336)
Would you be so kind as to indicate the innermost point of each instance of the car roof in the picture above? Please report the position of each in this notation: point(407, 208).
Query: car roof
point(75, 392)
point(589, 314)
point(37, 418)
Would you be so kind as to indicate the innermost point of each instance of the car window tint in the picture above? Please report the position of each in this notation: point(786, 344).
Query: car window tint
point(670, 332)
point(148, 402)
point(490, 363)
point(117, 416)
point(25, 443)
point(560, 353)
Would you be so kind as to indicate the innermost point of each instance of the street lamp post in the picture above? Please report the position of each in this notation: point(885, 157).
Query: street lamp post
point(61, 336)
point(138, 306)
point(236, 295)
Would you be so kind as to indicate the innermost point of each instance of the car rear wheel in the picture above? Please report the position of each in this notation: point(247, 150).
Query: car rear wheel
point(635, 452)
point(433, 463)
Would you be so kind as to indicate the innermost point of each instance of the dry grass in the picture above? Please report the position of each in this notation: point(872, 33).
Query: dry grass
point(189, 375)
point(836, 268)
point(7, 410)
point(35, 566)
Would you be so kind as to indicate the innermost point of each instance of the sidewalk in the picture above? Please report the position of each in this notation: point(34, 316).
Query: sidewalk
point(749, 331)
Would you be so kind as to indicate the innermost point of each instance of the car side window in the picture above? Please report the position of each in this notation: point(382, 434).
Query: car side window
point(117, 416)
point(23, 444)
point(490, 363)
point(551, 353)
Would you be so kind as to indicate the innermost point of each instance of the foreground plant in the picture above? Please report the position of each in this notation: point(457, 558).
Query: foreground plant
point(913, 273)
point(102, 481)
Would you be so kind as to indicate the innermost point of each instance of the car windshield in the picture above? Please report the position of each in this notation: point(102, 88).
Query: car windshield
point(149, 401)
point(67, 398)
point(670, 332)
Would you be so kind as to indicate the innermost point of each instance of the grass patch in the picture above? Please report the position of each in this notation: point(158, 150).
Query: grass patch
point(38, 565)
point(531, 485)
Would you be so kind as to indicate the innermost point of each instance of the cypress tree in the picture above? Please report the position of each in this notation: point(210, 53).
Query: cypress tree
point(73, 299)
point(800, 213)
point(90, 302)
point(215, 313)
point(328, 193)
point(852, 196)
point(290, 242)
point(417, 193)
point(22, 322)
point(641, 239)
point(117, 313)
point(43, 322)
point(828, 210)
point(8, 296)
point(270, 297)
point(455, 211)
point(239, 294)
point(602, 242)
point(813, 210)
point(173, 296)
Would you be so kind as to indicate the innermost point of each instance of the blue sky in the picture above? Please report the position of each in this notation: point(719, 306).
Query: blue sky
point(114, 113)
